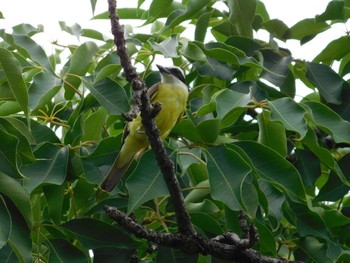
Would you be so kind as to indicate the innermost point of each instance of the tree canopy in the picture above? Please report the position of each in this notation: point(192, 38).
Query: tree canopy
point(246, 144)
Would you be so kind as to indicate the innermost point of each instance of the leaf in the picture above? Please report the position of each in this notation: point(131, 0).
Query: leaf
point(158, 7)
point(50, 167)
point(146, 176)
point(168, 47)
point(242, 13)
point(202, 26)
point(19, 240)
point(8, 154)
point(93, 233)
point(5, 223)
point(174, 255)
point(78, 64)
point(227, 172)
point(326, 80)
point(306, 29)
point(22, 133)
point(277, 28)
point(276, 66)
point(274, 169)
point(334, 189)
point(94, 125)
point(309, 166)
point(290, 114)
point(315, 250)
point(109, 94)
point(63, 251)
point(209, 130)
point(44, 87)
point(193, 7)
point(324, 155)
point(335, 50)
point(272, 134)
point(16, 193)
point(54, 195)
point(334, 11)
point(330, 122)
point(13, 73)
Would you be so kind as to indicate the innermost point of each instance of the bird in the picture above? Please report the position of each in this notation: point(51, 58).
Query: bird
point(172, 93)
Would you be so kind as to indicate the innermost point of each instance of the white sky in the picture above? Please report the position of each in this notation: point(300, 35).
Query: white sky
point(49, 12)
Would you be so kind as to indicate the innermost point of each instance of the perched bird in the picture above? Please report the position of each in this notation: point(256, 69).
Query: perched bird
point(171, 93)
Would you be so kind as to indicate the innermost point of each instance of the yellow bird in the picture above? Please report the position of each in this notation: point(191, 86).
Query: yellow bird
point(172, 93)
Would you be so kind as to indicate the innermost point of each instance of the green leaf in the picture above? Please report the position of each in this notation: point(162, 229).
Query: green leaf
point(17, 128)
point(209, 130)
point(193, 7)
point(309, 166)
point(54, 195)
point(63, 251)
point(227, 173)
point(14, 191)
point(242, 13)
point(93, 233)
point(13, 73)
point(334, 11)
point(272, 134)
point(5, 223)
point(168, 47)
point(335, 50)
point(326, 80)
point(275, 201)
point(19, 240)
point(274, 169)
point(109, 94)
point(315, 250)
point(324, 155)
point(79, 64)
point(230, 105)
point(44, 87)
point(335, 189)
point(174, 255)
point(330, 122)
point(94, 125)
point(202, 26)
point(290, 114)
point(50, 167)
point(157, 8)
point(74, 30)
point(8, 154)
point(267, 238)
point(306, 29)
point(146, 176)
point(276, 66)
point(206, 223)
point(276, 28)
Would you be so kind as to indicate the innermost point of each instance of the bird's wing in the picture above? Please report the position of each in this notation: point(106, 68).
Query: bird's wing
point(152, 91)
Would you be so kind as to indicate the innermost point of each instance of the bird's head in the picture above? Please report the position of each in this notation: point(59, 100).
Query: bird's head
point(172, 75)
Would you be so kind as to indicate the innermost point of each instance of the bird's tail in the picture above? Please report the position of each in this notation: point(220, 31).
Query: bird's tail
point(114, 175)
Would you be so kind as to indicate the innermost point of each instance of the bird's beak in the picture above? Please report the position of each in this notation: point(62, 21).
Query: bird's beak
point(163, 69)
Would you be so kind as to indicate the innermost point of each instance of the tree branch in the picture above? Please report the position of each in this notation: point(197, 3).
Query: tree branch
point(228, 246)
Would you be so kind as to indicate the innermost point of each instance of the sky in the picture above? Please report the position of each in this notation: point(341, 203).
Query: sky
point(49, 12)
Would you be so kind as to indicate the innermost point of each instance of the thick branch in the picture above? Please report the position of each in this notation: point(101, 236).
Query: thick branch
point(228, 247)
point(142, 101)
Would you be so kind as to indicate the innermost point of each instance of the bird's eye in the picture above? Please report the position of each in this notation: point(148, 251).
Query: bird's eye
point(177, 73)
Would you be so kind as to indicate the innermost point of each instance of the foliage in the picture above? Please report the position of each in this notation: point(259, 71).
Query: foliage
point(246, 143)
